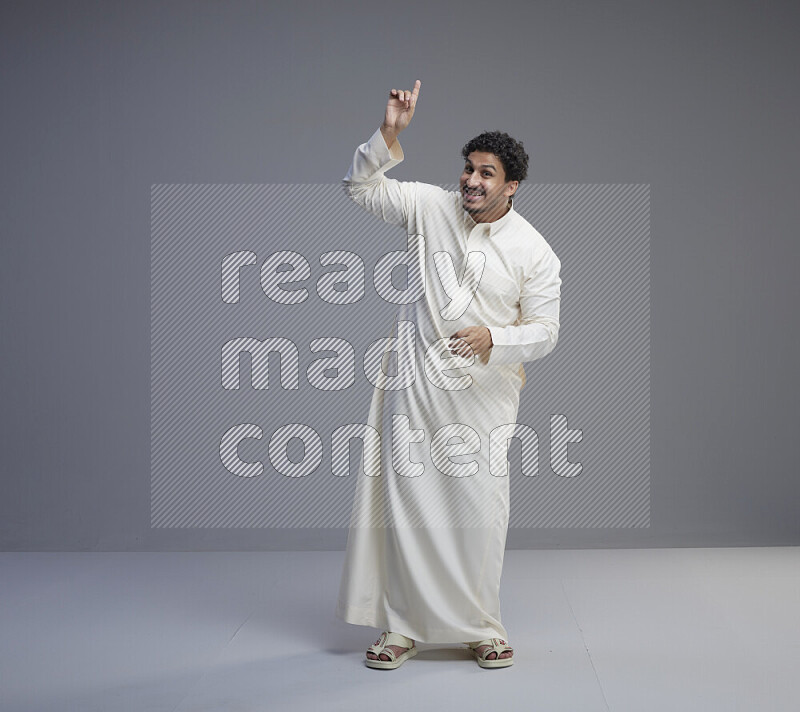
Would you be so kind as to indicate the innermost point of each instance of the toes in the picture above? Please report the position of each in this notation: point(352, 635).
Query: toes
point(490, 656)
point(385, 657)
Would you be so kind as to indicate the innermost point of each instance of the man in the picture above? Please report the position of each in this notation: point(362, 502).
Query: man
point(427, 537)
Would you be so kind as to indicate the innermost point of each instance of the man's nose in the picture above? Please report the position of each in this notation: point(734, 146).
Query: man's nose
point(472, 179)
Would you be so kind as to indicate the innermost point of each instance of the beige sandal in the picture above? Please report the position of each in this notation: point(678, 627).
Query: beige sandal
point(498, 645)
point(379, 646)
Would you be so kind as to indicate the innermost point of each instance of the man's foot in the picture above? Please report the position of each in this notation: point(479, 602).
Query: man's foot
point(396, 649)
point(493, 652)
point(493, 655)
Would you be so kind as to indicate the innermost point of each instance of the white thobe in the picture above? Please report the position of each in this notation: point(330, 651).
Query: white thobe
point(428, 529)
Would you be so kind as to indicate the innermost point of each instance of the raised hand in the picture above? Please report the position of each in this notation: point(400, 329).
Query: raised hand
point(399, 109)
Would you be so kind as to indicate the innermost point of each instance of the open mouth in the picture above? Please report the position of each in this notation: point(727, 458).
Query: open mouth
point(472, 197)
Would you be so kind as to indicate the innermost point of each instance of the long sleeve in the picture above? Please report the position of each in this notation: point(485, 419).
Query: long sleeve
point(365, 183)
point(537, 333)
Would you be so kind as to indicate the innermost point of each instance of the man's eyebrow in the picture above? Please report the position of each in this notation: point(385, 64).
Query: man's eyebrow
point(484, 165)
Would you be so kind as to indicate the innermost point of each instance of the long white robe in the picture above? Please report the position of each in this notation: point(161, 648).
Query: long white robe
point(430, 517)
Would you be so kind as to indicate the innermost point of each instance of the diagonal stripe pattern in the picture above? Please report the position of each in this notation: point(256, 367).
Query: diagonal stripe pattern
point(240, 272)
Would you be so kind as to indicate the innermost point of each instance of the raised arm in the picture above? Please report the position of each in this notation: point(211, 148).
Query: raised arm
point(365, 183)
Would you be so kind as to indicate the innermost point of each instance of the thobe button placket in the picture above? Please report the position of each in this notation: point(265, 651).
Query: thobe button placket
point(474, 237)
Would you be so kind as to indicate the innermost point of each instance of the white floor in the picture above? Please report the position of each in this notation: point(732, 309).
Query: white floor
point(639, 630)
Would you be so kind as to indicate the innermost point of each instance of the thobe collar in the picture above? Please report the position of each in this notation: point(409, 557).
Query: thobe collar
point(493, 226)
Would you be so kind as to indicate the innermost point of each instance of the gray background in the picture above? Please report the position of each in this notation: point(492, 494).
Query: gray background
point(101, 100)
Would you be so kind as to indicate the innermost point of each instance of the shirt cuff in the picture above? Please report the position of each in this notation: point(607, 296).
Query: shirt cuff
point(492, 353)
point(502, 352)
point(386, 157)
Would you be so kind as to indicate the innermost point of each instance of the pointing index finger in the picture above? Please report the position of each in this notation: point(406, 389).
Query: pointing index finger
point(415, 91)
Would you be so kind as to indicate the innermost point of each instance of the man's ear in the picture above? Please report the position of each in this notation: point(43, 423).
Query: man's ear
point(513, 185)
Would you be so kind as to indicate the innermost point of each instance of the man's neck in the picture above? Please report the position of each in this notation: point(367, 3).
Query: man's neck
point(490, 218)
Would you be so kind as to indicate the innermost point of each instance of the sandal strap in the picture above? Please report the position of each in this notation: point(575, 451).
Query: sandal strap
point(497, 645)
point(390, 653)
point(399, 639)
point(377, 646)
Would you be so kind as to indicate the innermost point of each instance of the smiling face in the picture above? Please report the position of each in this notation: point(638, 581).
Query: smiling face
point(484, 189)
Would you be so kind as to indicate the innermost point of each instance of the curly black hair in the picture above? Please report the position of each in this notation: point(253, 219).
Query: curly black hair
point(510, 152)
